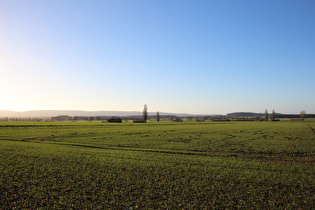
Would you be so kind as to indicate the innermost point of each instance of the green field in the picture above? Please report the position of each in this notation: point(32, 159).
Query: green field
point(166, 165)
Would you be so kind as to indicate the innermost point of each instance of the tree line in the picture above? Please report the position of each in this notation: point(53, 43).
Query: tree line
point(240, 116)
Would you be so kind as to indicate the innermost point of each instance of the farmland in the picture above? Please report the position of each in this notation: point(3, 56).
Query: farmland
point(175, 165)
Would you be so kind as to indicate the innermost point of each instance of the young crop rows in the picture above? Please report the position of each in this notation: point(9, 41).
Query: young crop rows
point(167, 165)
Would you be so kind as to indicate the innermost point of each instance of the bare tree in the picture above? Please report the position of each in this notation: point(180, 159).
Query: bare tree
point(302, 115)
point(273, 115)
point(158, 116)
point(266, 115)
point(145, 113)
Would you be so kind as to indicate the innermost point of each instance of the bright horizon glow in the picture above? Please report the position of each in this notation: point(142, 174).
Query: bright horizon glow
point(201, 57)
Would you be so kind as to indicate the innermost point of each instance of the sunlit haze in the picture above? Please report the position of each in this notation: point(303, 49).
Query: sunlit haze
point(198, 57)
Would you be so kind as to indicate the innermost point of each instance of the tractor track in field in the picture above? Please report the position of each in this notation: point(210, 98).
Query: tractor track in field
point(263, 157)
point(311, 128)
point(310, 151)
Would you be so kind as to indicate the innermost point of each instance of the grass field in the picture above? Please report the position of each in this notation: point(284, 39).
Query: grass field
point(95, 165)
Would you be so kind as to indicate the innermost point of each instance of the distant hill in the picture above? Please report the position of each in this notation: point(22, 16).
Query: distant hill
point(53, 113)
point(249, 114)
point(72, 113)
point(278, 115)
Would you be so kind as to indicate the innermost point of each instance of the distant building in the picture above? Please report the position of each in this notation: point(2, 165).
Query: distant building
point(114, 120)
point(177, 119)
point(61, 118)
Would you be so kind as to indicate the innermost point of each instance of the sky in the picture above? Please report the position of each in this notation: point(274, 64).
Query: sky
point(179, 56)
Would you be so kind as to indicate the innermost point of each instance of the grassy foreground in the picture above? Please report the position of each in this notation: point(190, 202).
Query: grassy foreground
point(96, 165)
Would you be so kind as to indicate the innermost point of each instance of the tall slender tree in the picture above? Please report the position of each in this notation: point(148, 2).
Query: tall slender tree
point(266, 115)
point(158, 116)
point(273, 115)
point(145, 113)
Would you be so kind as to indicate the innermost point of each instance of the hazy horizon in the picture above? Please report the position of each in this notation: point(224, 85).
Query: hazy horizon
point(140, 112)
point(196, 57)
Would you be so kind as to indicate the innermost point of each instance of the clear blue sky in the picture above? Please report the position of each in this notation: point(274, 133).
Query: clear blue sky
point(184, 56)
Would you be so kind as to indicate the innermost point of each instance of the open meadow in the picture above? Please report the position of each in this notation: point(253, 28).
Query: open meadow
point(174, 165)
